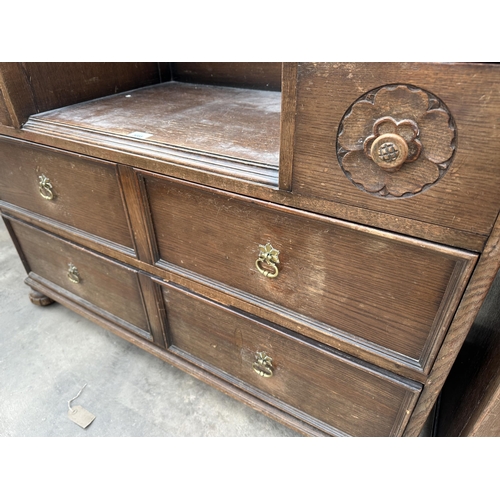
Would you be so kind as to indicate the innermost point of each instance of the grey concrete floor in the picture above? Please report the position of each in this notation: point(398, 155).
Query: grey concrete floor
point(47, 354)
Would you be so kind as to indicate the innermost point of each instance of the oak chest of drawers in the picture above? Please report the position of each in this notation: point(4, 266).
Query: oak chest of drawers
point(313, 239)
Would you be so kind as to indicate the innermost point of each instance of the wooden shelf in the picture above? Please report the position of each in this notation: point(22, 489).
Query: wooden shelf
point(227, 130)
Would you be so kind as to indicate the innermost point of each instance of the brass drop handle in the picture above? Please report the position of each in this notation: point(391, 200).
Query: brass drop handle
point(263, 365)
point(45, 187)
point(73, 274)
point(268, 256)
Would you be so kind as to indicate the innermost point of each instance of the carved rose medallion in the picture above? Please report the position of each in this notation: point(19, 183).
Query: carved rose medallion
point(396, 141)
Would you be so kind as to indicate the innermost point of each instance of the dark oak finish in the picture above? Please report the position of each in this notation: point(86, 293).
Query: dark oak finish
point(17, 94)
point(234, 123)
point(35, 87)
point(110, 286)
point(377, 183)
point(62, 84)
point(40, 299)
point(288, 107)
point(253, 180)
point(224, 295)
point(140, 221)
point(470, 400)
point(394, 292)
point(466, 198)
point(474, 296)
point(354, 399)
point(283, 416)
point(155, 309)
point(4, 112)
point(252, 75)
point(86, 192)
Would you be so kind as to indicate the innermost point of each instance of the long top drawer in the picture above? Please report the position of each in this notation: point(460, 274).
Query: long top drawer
point(394, 295)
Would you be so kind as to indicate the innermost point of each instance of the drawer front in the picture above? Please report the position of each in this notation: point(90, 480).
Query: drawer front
point(445, 114)
point(107, 285)
point(81, 192)
point(333, 389)
point(395, 292)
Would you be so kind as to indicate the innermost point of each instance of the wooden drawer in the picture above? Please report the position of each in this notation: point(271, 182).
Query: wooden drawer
point(392, 295)
point(85, 192)
point(94, 282)
point(452, 182)
point(329, 390)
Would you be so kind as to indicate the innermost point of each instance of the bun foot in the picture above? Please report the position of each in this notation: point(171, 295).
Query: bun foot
point(39, 299)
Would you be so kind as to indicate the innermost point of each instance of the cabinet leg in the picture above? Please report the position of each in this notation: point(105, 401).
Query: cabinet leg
point(39, 299)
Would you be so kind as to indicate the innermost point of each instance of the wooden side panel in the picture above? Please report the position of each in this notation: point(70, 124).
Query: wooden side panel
point(466, 197)
point(4, 112)
point(392, 291)
point(60, 84)
point(470, 399)
point(355, 399)
point(86, 191)
point(17, 94)
point(109, 286)
point(474, 296)
point(486, 421)
point(264, 76)
point(288, 112)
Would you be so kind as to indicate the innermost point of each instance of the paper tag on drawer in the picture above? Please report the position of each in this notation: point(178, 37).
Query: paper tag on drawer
point(139, 135)
point(80, 416)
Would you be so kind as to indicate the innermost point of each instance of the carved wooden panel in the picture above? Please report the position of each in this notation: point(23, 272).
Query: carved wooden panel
point(455, 181)
point(396, 141)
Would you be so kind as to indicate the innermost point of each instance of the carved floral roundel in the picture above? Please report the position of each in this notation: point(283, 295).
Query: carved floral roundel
point(396, 141)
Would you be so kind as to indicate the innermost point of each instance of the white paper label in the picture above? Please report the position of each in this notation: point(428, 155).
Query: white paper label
point(81, 416)
point(139, 135)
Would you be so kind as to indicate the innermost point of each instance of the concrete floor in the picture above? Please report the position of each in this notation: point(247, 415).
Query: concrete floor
point(48, 353)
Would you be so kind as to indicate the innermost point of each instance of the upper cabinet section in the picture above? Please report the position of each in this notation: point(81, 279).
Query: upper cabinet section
point(419, 141)
point(212, 119)
point(222, 130)
point(30, 88)
point(409, 147)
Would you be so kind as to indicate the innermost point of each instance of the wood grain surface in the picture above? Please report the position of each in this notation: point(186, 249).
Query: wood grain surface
point(230, 122)
point(5, 118)
point(287, 134)
point(470, 399)
point(253, 75)
point(394, 292)
point(109, 286)
point(472, 300)
point(86, 190)
point(466, 198)
point(363, 322)
point(122, 330)
point(17, 94)
point(353, 398)
point(35, 87)
point(57, 84)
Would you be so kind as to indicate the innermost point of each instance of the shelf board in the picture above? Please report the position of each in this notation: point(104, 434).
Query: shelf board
point(229, 131)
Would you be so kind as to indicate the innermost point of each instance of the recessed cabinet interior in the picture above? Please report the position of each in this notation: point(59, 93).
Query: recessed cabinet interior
point(314, 239)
